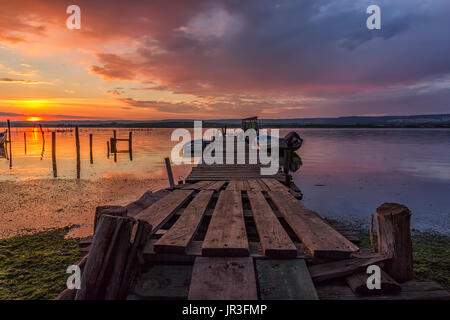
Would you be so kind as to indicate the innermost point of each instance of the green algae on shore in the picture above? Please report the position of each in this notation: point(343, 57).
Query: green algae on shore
point(431, 255)
point(34, 266)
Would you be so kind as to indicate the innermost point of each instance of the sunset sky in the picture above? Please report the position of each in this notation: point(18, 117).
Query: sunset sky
point(211, 59)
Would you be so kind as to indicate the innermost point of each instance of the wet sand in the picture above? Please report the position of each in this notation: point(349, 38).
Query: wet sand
point(36, 205)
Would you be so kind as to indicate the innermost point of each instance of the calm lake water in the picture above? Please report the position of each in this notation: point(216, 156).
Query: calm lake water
point(346, 173)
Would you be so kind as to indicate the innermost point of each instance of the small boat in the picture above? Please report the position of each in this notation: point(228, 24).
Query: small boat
point(291, 141)
point(189, 148)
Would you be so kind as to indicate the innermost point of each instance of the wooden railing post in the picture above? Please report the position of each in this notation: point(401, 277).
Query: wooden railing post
point(169, 172)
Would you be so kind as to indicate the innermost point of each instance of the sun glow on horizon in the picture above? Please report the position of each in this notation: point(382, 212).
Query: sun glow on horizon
point(34, 119)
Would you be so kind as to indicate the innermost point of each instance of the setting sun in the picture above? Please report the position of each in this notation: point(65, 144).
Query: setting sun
point(34, 119)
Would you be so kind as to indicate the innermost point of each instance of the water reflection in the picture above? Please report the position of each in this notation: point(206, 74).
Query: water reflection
point(346, 173)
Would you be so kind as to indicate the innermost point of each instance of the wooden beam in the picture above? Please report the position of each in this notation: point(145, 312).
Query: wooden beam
point(343, 268)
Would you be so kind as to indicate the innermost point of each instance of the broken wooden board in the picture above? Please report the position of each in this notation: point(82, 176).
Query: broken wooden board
point(285, 280)
point(342, 268)
point(222, 278)
point(226, 235)
point(159, 212)
point(274, 240)
point(319, 237)
point(177, 238)
point(164, 282)
point(411, 290)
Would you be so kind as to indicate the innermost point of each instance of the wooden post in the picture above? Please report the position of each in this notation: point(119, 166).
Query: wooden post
point(169, 172)
point(55, 173)
point(107, 146)
point(114, 146)
point(77, 142)
point(10, 144)
point(25, 141)
point(130, 145)
point(117, 211)
point(90, 148)
point(372, 242)
point(394, 239)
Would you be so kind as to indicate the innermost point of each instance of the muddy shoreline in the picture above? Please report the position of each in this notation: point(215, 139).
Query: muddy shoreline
point(31, 206)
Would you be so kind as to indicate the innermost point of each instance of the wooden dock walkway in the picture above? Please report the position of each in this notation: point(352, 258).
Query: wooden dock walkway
point(246, 237)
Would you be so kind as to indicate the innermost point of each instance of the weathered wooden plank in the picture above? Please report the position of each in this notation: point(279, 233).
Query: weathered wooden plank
point(223, 279)
point(217, 185)
point(198, 185)
point(159, 212)
point(358, 283)
point(254, 185)
point(166, 282)
point(145, 201)
point(274, 240)
point(411, 290)
point(263, 186)
point(178, 237)
point(285, 280)
point(226, 235)
point(319, 237)
point(233, 185)
point(342, 268)
point(274, 185)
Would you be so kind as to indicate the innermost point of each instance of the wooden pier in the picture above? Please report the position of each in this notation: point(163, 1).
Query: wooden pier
point(230, 233)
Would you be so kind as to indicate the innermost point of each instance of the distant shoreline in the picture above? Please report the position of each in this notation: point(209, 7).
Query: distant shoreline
point(411, 121)
point(209, 125)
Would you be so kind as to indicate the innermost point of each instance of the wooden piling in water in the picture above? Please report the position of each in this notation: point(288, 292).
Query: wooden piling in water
point(25, 141)
point(107, 147)
point(169, 172)
point(114, 145)
point(90, 148)
point(10, 144)
point(55, 172)
point(77, 143)
point(130, 145)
